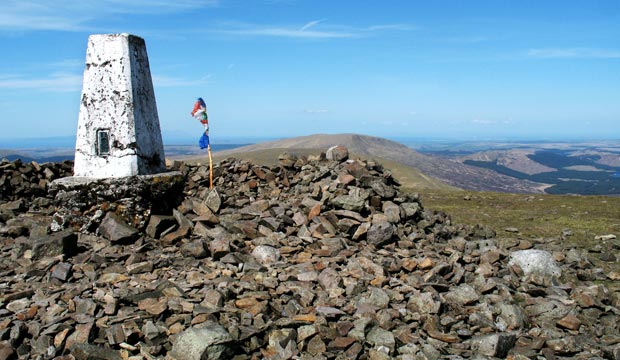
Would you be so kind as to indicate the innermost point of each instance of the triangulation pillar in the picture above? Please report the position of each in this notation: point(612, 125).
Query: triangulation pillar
point(118, 131)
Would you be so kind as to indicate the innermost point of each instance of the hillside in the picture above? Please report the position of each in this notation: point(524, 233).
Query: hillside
point(517, 160)
point(451, 172)
point(585, 170)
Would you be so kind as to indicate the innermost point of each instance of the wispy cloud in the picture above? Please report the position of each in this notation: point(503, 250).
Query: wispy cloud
point(76, 15)
point(310, 24)
point(316, 29)
point(282, 31)
point(56, 82)
point(315, 111)
point(574, 53)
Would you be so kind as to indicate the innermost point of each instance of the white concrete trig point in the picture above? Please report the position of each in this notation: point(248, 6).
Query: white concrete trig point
point(118, 131)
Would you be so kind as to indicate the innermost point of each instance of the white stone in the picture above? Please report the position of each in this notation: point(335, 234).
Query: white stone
point(535, 262)
point(118, 97)
point(266, 254)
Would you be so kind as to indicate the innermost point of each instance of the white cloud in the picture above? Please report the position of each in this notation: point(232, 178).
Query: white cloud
point(316, 29)
point(61, 81)
point(574, 53)
point(75, 15)
point(56, 82)
point(286, 32)
point(315, 111)
point(310, 24)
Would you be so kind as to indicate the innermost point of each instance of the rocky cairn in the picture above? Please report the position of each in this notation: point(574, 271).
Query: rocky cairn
point(315, 258)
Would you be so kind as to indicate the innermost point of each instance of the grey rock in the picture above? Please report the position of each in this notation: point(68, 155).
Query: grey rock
point(213, 200)
point(349, 202)
point(378, 337)
point(115, 229)
point(511, 316)
point(60, 243)
point(219, 247)
point(207, 343)
point(61, 271)
point(194, 249)
point(496, 345)
point(266, 254)
point(337, 153)
point(158, 224)
point(381, 234)
point(93, 352)
point(376, 298)
point(423, 303)
point(464, 294)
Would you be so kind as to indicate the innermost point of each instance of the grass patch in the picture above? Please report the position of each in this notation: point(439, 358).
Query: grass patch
point(533, 215)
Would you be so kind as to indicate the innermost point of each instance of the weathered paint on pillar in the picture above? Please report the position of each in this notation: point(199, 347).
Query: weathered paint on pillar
point(118, 127)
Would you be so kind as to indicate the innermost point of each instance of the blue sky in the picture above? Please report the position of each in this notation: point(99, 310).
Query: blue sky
point(278, 68)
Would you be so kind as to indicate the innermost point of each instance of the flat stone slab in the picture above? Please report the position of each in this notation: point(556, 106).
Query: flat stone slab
point(73, 181)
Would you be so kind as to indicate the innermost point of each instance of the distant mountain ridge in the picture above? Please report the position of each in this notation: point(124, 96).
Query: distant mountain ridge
point(451, 172)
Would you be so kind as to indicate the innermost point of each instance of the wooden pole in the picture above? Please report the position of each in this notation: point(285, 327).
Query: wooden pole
point(210, 167)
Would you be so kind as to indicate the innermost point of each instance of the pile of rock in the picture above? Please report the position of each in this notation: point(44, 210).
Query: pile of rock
point(27, 181)
point(316, 258)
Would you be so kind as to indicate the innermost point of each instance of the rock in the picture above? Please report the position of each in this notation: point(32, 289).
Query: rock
point(605, 237)
point(535, 262)
point(158, 224)
point(219, 247)
point(380, 234)
point(376, 298)
point(569, 322)
point(195, 249)
point(6, 350)
point(114, 228)
point(141, 267)
point(61, 271)
point(496, 345)
point(349, 202)
point(60, 243)
point(337, 153)
point(423, 303)
point(266, 254)
point(464, 294)
point(511, 316)
point(378, 337)
point(210, 342)
point(93, 352)
point(287, 160)
point(213, 200)
point(305, 259)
